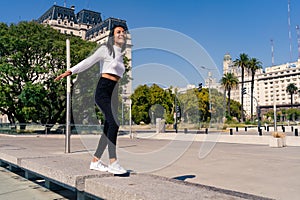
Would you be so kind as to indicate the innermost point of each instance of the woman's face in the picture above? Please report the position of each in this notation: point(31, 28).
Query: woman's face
point(119, 36)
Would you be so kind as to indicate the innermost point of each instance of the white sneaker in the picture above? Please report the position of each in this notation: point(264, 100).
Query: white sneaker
point(115, 168)
point(98, 166)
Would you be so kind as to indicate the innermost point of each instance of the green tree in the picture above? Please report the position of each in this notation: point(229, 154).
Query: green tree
point(141, 104)
point(31, 55)
point(229, 80)
point(145, 97)
point(253, 66)
point(235, 109)
point(291, 89)
point(191, 104)
point(242, 62)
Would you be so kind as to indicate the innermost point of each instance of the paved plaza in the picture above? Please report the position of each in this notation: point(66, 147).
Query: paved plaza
point(197, 159)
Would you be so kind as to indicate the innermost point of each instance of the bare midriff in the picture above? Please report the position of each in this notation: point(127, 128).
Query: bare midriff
point(110, 76)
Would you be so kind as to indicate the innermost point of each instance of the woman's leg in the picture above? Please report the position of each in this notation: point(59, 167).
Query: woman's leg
point(106, 99)
point(102, 143)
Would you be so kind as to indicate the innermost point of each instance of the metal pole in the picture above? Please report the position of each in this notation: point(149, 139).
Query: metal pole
point(130, 119)
point(123, 110)
point(209, 96)
point(68, 131)
point(176, 130)
point(275, 117)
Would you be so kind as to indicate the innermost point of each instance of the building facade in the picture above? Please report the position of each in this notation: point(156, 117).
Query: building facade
point(86, 24)
point(269, 85)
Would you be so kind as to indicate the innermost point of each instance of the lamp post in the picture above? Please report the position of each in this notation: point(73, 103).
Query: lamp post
point(274, 102)
point(68, 114)
point(125, 97)
point(209, 89)
point(209, 95)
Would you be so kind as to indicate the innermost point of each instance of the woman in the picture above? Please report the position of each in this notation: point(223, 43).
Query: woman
point(112, 68)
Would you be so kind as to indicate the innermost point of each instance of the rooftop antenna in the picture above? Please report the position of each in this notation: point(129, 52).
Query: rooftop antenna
point(272, 49)
point(298, 40)
point(289, 27)
point(88, 4)
point(65, 3)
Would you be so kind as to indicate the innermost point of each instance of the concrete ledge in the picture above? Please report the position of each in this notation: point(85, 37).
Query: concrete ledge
point(73, 174)
point(150, 187)
point(72, 171)
point(62, 170)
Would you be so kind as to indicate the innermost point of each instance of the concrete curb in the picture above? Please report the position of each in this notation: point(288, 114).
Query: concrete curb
point(240, 139)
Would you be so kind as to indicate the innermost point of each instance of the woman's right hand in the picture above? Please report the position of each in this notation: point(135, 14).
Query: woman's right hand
point(63, 75)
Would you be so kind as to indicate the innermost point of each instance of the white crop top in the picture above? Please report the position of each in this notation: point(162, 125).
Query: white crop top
point(108, 64)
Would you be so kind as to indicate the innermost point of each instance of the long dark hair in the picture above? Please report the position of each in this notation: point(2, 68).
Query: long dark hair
point(110, 42)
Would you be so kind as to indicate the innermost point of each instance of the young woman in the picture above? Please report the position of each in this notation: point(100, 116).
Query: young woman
point(112, 68)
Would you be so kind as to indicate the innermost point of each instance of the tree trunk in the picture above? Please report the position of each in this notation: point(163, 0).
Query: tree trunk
point(229, 102)
point(242, 95)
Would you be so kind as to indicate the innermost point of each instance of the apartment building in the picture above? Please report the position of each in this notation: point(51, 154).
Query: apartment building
point(269, 85)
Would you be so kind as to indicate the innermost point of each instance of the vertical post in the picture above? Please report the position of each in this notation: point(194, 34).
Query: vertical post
point(130, 119)
point(68, 131)
point(209, 97)
point(122, 109)
point(275, 115)
point(176, 130)
point(258, 115)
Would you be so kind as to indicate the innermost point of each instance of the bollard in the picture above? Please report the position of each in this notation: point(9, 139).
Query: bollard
point(185, 130)
point(260, 132)
point(292, 128)
point(246, 128)
point(283, 129)
point(206, 130)
point(237, 129)
point(296, 132)
point(231, 131)
point(268, 128)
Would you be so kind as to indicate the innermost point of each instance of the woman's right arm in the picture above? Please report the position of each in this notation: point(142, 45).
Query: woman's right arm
point(98, 55)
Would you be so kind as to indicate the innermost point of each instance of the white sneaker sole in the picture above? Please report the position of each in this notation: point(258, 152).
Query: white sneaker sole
point(115, 171)
point(97, 169)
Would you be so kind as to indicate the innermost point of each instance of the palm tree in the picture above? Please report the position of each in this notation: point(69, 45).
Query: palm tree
point(229, 80)
point(253, 66)
point(291, 89)
point(242, 62)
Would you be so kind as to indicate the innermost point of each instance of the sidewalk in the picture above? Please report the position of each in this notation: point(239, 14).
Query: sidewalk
point(193, 169)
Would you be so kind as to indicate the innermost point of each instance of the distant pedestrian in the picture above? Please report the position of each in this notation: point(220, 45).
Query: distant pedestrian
point(112, 69)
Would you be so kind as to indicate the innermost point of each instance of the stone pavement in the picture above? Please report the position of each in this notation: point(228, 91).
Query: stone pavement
point(163, 166)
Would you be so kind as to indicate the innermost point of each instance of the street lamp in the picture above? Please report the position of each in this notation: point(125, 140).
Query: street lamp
point(126, 96)
point(209, 89)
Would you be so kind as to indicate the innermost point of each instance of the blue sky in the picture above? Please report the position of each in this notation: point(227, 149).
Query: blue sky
point(219, 26)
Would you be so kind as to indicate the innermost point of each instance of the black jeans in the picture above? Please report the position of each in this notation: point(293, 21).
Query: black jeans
point(106, 99)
